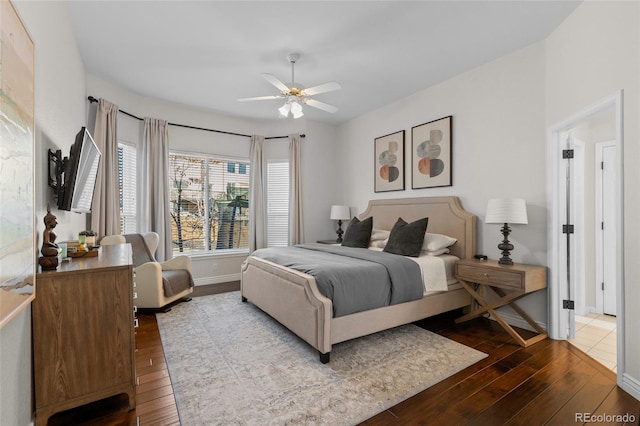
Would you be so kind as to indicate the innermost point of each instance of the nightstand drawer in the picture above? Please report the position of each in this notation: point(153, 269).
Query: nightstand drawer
point(492, 276)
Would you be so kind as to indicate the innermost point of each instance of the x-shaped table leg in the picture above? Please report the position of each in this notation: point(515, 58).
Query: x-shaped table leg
point(505, 299)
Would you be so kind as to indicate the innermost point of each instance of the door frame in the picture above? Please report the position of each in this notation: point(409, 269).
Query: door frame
point(559, 321)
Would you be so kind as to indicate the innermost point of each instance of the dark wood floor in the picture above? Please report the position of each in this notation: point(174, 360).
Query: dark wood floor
point(550, 382)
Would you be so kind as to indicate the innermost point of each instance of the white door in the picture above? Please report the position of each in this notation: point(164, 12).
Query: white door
point(607, 153)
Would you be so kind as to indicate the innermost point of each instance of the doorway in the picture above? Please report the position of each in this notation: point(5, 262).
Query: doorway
point(584, 202)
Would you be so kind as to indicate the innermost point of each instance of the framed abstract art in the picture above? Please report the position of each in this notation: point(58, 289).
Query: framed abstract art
point(431, 154)
point(389, 162)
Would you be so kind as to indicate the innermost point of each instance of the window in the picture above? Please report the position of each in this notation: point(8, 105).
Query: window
point(209, 203)
point(127, 185)
point(277, 203)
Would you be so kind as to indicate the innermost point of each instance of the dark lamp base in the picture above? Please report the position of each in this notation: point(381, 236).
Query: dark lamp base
point(339, 232)
point(505, 246)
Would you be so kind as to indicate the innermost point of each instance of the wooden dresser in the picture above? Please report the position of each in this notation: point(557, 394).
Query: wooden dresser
point(83, 332)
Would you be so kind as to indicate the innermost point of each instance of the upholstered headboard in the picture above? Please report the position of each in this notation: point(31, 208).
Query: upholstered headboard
point(446, 216)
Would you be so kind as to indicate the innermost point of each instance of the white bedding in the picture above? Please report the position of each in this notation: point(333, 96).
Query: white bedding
point(437, 271)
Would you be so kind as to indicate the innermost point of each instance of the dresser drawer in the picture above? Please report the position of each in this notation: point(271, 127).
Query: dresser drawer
point(492, 276)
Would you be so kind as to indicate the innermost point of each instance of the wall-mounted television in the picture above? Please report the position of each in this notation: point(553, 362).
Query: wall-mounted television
point(75, 176)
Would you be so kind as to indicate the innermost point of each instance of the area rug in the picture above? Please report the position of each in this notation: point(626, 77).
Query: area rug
point(230, 363)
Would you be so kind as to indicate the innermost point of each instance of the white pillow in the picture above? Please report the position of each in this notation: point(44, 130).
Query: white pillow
point(379, 234)
point(434, 253)
point(379, 238)
point(435, 242)
point(378, 244)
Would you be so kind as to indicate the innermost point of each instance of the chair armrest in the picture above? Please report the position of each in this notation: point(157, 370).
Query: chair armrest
point(149, 285)
point(178, 262)
point(149, 272)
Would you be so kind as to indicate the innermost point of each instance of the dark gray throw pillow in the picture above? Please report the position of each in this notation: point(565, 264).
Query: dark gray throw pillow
point(358, 233)
point(406, 238)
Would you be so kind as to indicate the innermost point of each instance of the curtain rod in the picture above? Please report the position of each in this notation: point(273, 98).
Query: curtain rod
point(92, 100)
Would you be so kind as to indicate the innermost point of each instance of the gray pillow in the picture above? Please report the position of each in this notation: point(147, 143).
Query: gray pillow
point(358, 233)
point(406, 238)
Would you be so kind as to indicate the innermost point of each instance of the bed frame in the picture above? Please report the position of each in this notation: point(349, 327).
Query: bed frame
point(293, 298)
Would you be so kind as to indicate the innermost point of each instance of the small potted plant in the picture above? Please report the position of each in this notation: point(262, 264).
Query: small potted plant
point(87, 237)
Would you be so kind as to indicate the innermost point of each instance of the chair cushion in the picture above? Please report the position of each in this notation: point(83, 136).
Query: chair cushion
point(176, 281)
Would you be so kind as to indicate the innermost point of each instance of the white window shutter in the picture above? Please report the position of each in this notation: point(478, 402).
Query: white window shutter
point(277, 203)
point(128, 187)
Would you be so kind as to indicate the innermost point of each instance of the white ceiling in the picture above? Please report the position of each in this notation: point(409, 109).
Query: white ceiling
point(207, 54)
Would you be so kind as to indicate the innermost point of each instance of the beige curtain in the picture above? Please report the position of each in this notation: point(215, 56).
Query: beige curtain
point(296, 228)
point(154, 189)
point(105, 210)
point(257, 213)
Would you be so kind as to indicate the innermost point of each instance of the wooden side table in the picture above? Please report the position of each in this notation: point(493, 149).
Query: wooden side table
point(519, 279)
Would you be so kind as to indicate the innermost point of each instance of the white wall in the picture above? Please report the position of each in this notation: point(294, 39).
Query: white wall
point(318, 156)
point(591, 56)
point(60, 111)
point(498, 150)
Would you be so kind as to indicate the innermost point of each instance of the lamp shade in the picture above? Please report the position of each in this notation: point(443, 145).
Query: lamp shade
point(296, 110)
point(506, 210)
point(284, 109)
point(340, 213)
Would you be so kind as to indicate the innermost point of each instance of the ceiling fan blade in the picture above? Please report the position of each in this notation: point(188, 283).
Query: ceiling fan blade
point(274, 80)
point(261, 98)
point(322, 88)
point(320, 105)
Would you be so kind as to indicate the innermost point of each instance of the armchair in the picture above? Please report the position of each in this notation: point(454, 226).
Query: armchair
point(112, 239)
point(157, 283)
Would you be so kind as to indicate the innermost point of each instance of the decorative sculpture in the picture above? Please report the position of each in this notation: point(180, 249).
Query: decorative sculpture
point(50, 251)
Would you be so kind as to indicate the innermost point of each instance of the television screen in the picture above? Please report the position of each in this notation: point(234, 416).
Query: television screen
point(80, 174)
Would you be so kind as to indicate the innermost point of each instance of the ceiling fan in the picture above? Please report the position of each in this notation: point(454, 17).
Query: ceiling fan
point(295, 94)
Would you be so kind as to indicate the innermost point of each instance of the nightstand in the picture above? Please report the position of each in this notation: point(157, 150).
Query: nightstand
point(477, 276)
point(334, 242)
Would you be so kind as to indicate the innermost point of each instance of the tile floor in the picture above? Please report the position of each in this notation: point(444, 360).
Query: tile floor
point(596, 336)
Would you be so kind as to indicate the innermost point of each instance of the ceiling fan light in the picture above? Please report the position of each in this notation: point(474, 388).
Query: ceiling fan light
point(284, 109)
point(296, 110)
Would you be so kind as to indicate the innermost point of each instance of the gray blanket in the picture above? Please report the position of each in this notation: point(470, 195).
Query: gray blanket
point(354, 279)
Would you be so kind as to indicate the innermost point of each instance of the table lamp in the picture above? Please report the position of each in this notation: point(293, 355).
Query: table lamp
point(340, 213)
point(506, 211)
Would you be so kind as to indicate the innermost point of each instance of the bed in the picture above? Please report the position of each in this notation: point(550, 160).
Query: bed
point(293, 299)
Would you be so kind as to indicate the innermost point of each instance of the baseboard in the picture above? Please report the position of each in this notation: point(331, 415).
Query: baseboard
point(516, 321)
point(217, 279)
point(586, 311)
point(631, 386)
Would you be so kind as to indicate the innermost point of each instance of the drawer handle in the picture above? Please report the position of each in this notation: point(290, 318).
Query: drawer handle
point(485, 275)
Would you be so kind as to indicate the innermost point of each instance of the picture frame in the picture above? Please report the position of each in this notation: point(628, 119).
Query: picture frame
point(17, 177)
point(389, 162)
point(431, 154)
